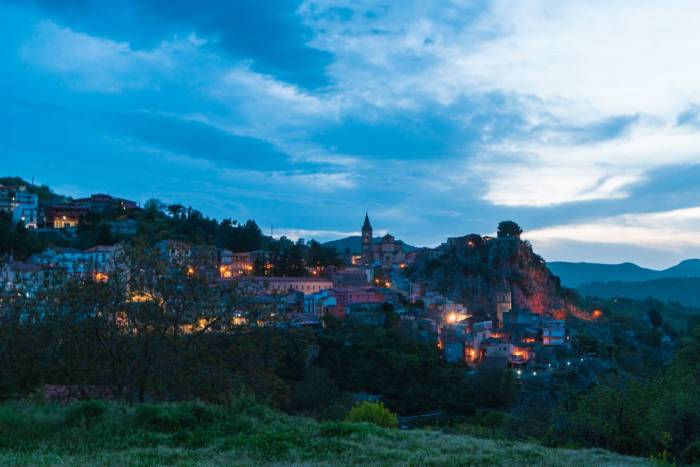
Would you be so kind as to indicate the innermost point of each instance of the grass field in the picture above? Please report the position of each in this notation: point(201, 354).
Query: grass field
point(245, 433)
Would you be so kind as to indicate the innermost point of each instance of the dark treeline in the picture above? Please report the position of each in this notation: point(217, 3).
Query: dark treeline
point(155, 332)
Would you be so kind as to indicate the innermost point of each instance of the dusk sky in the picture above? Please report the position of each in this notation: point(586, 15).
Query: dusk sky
point(578, 120)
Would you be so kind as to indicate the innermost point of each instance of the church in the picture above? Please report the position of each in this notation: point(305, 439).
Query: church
point(386, 253)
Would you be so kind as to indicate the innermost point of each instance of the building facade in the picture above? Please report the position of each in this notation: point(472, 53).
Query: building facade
point(22, 205)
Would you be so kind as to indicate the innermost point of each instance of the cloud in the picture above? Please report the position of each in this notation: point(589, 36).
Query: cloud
point(579, 73)
point(439, 117)
point(268, 34)
point(98, 64)
point(667, 230)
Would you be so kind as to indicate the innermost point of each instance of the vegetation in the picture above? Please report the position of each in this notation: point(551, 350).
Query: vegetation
point(243, 432)
point(643, 416)
point(373, 412)
point(671, 289)
point(509, 229)
point(158, 221)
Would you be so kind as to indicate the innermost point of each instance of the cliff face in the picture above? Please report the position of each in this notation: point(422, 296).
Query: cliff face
point(480, 269)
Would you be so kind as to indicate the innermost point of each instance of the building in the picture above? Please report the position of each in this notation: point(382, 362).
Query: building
point(101, 202)
point(353, 276)
point(282, 285)
point(453, 350)
point(98, 261)
point(388, 253)
point(22, 278)
point(367, 241)
point(62, 216)
point(174, 251)
point(347, 296)
point(504, 302)
point(319, 304)
point(22, 205)
point(554, 332)
point(247, 261)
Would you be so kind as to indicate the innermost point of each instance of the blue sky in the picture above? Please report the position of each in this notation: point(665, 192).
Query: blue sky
point(579, 120)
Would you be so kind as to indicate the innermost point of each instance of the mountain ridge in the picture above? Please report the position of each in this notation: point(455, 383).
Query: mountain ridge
point(575, 274)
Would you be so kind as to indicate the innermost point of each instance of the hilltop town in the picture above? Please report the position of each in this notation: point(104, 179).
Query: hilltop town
point(104, 298)
point(496, 325)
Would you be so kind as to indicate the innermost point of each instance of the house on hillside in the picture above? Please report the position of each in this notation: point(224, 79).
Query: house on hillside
point(20, 204)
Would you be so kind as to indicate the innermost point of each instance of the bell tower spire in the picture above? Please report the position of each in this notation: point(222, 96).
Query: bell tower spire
point(367, 240)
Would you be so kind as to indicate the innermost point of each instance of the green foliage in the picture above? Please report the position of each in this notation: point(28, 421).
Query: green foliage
point(643, 416)
point(42, 191)
point(17, 240)
point(86, 412)
point(509, 229)
point(373, 412)
point(655, 317)
point(173, 418)
point(314, 392)
point(244, 432)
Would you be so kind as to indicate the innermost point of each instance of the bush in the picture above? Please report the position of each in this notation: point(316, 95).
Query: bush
point(86, 412)
point(343, 430)
point(171, 418)
point(373, 412)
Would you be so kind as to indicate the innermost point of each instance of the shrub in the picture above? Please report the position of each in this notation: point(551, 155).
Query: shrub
point(343, 430)
point(86, 412)
point(171, 418)
point(691, 454)
point(373, 412)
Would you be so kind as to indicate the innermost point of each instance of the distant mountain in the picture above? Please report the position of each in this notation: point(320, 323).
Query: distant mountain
point(671, 289)
point(354, 245)
point(576, 274)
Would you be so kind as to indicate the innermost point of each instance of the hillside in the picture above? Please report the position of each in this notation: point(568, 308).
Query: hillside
point(576, 274)
point(475, 274)
point(354, 245)
point(683, 290)
point(245, 433)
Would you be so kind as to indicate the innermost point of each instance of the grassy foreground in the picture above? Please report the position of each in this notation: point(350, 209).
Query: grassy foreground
point(245, 433)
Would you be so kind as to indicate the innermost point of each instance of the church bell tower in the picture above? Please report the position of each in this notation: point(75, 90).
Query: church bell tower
point(367, 241)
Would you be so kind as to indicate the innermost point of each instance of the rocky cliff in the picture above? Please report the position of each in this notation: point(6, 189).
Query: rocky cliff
point(475, 270)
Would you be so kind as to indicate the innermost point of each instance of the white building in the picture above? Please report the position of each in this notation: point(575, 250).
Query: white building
point(553, 332)
point(22, 205)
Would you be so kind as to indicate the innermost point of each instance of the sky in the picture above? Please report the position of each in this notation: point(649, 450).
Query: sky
point(580, 120)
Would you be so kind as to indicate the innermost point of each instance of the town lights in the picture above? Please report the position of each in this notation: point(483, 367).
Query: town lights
point(101, 277)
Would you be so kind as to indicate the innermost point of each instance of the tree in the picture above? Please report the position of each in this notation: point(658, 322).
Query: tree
point(655, 318)
point(104, 235)
point(509, 229)
point(175, 210)
point(155, 329)
point(151, 209)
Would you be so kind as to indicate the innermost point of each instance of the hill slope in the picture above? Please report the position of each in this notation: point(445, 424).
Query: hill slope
point(576, 274)
point(474, 273)
point(91, 433)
